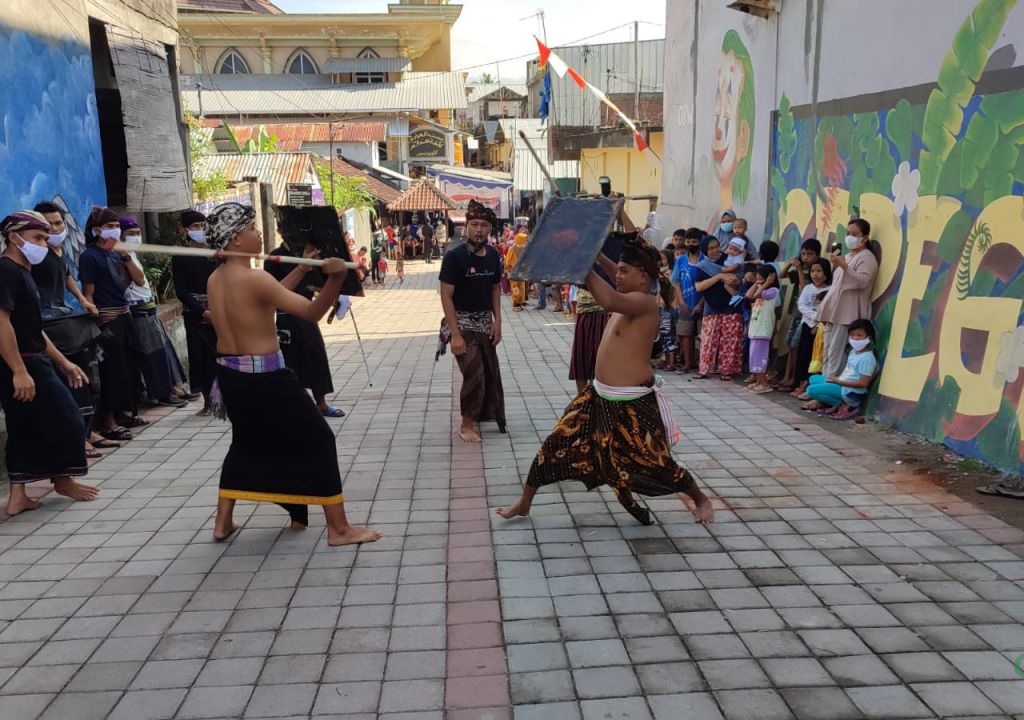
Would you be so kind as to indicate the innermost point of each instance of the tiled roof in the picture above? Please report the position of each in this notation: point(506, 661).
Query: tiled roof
point(290, 136)
point(272, 95)
point(263, 7)
point(379, 189)
point(424, 195)
point(278, 168)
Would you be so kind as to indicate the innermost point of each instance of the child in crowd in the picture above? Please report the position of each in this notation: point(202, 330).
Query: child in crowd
point(735, 253)
point(364, 267)
point(810, 296)
point(798, 271)
point(764, 296)
point(845, 394)
point(666, 345)
point(573, 295)
point(382, 269)
point(768, 253)
point(400, 269)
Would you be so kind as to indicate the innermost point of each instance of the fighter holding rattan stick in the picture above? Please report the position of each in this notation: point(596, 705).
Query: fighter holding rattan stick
point(216, 253)
point(282, 449)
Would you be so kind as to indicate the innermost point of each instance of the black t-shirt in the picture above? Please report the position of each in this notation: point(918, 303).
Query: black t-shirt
point(473, 276)
point(428, 232)
point(716, 297)
point(282, 270)
point(50, 276)
point(106, 271)
point(20, 296)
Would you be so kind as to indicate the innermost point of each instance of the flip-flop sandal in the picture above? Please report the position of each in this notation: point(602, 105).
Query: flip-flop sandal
point(827, 411)
point(190, 396)
point(118, 433)
point(134, 422)
point(844, 415)
point(93, 454)
point(105, 444)
point(761, 391)
point(699, 376)
point(726, 378)
point(1003, 489)
point(333, 412)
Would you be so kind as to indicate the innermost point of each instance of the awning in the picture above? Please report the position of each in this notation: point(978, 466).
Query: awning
point(361, 65)
point(458, 217)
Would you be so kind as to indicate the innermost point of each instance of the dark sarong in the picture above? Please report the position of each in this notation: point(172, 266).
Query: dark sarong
point(482, 396)
point(282, 450)
point(117, 392)
point(78, 338)
point(305, 353)
point(202, 353)
point(150, 356)
point(618, 443)
point(45, 437)
point(585, 341)
point(86, 397)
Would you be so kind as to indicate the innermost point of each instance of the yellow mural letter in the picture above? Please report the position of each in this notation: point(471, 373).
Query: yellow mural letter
point(980, 392)
point(887, 231)
point(798, 212)
point(903, 378)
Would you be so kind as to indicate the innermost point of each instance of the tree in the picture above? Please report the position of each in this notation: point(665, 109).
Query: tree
point(487, 79)
point(205, 184)
point(263, 142)
point(348, 193)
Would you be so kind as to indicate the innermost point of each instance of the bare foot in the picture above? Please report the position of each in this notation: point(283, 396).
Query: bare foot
point(207, 411)
point(295, 525)
point(703, 513)
point(520, 509)
point(352, 535)
point(220, 535)
point(75, 491)
point(469, 434)
point(16, 506)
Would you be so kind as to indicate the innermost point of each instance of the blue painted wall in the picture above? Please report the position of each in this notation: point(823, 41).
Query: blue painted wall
point(49, 128)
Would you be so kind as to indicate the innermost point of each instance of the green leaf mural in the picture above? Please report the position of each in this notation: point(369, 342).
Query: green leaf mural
point(937, 404)
point(898, 126)
point(981, 236)
point(958, 75)
point(999, 441)
point(786, 134)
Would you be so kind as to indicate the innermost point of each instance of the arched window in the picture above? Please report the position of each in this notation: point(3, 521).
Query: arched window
point(369, 77)
point(301, 64)
point(231, 63)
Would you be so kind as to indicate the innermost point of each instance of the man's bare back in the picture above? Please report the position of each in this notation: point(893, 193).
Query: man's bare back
point(242, 316)
point(619, 363)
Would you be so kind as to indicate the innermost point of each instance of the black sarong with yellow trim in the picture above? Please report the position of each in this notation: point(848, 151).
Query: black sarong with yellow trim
point(282, 450)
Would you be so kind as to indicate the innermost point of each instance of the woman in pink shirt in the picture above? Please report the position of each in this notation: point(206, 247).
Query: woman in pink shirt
point(849, 298)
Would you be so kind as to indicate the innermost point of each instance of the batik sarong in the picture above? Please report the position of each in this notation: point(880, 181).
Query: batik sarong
point(45, 437)
point(585, 342)
point(282, 450)
point(614, 437)
point(482, 397)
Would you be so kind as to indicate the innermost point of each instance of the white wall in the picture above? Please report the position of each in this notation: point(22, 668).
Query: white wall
point(361, 152)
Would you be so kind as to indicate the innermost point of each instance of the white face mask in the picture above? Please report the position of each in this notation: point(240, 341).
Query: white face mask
point(133, 239)
point(111, 233)
point(854, 243)
point(197, 236)
point(57, 240)
point(859, 345)
point(35, 254)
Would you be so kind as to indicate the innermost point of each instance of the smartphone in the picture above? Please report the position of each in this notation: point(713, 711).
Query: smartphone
point(836, 249)
point(606, 185)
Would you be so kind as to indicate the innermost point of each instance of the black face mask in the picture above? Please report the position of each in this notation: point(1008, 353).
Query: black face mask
point(693, 249)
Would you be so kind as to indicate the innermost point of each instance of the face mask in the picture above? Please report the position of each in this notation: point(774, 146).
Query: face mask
point(133, 239)
point(726, 227)
point(33, 253)
point(197, 236)
point(854, 243)
point(859, 345)
point(57, 240)
point(693, 249)
point(111, 234)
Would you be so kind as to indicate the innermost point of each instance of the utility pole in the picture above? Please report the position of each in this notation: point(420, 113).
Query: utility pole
point(330, 146)
point(636, 70)
point(199, 91)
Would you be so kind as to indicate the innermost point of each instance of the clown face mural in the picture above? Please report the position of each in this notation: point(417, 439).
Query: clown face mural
point(734, 121)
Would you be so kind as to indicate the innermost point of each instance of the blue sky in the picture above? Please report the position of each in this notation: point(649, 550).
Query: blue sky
point(491, 30)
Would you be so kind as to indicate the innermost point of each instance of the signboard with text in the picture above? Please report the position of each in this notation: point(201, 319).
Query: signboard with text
point(427, 144)
point(299, 194)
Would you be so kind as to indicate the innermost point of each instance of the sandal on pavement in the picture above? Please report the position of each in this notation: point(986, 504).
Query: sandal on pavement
point(764, 390)
point(93, 454)
point(105, 444)
point(117, 433)
point(827, 411)
point(333, 412)
point(844, 414)
point(134, 422)
point(811, 406)
point(700, 376)
point(726, 378)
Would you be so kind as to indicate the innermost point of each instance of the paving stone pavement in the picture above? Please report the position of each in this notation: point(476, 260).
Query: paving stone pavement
point(828, 587)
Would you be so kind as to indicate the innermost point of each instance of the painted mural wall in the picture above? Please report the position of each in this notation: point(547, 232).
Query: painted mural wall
point(938, 170)
point(49, 128)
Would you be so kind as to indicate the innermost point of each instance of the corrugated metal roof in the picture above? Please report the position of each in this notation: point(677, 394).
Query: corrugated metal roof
point(290, 136)
point(270, 95)
point(478, 92)
point(608, 67)
point(278, 168)
point(424, 195)
point(526, 174)
point(380, 190)
point(357, 65)
point(264, 7)
point(472, 172)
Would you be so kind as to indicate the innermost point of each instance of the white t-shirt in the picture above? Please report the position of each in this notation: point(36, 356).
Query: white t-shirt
point(136, 293)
